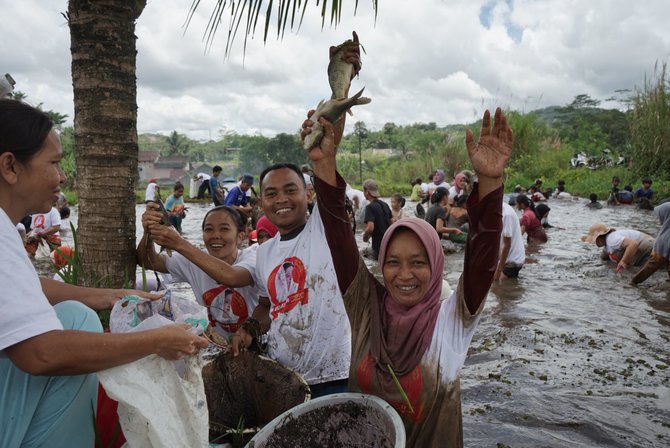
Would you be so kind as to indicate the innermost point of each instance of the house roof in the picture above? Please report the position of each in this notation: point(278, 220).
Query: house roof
point(174, 159)
point(148, 156)
point(177, 173)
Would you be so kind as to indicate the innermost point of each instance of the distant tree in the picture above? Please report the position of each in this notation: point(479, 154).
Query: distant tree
point(254, 153)
point(584, 101)
point(58, 119)
point(18, 95)
point(286, 148)
point(177, 144)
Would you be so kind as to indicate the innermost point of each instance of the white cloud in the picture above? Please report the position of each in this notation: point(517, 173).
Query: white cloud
point(431, 60)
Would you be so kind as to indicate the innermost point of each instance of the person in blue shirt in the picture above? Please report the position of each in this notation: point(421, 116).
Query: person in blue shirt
point(645, 190)
point(215, 186)
point(237, 196)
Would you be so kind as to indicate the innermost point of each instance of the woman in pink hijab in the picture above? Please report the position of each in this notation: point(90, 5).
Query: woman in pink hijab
point(406, 327)
point(457, 188)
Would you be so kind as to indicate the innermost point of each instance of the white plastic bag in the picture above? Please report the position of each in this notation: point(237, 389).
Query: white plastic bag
point(159, 405)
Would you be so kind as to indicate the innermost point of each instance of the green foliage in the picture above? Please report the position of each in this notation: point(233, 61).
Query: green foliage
point(650, 126)
point(177, 144)
point(68, 160)
point(71, 196)
point(529, 135)
point(586, 126)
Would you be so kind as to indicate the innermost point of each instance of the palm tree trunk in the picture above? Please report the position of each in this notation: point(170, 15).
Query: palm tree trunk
point(105, 122)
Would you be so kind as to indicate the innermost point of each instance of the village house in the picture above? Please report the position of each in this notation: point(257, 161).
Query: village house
point(166, 169)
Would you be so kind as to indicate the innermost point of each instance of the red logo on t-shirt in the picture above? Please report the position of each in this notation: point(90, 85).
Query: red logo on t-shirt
point(286, 286)
point(412, 383)
point(226, 308)
point(38, 222)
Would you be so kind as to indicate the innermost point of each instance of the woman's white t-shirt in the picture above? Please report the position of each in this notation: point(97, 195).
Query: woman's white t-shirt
point(26, 312)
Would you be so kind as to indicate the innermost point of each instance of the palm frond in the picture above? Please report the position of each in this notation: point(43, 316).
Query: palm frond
point(250, 10)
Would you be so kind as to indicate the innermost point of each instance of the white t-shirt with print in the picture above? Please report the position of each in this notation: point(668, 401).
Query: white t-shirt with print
point(310, 331)
point(227, 308)
point(614, 240)
point(44, 221)
point(512, 229)
point(203, 177)
point(26, 312)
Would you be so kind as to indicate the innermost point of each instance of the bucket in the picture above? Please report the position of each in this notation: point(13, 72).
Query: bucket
point(246, 392)
point(338, 420)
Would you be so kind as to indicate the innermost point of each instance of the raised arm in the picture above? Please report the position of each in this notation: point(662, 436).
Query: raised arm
point(489, 156)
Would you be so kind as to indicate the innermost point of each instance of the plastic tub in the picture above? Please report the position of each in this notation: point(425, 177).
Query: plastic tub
point(338, 420)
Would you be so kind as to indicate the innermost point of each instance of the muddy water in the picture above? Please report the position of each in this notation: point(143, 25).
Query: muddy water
point(568, 355)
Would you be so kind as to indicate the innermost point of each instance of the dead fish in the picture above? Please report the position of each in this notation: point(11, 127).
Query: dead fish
point(339, 71)
point(332, 110)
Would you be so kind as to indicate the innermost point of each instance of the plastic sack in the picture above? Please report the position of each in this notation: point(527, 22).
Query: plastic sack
point(133, 313)
point(159, 406)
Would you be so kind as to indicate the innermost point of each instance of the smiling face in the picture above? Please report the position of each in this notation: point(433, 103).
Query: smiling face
point(221, 236)
point(284, 199)
point(406, 269)
point(39, 181)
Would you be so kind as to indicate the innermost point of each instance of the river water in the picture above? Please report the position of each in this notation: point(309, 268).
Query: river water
point(567, 355)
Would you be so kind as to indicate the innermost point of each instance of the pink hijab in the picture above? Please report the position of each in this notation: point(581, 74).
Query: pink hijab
point(457, 181)
point(400, 335)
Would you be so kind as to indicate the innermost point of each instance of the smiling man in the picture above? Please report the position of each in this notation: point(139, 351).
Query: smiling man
point(300, 304)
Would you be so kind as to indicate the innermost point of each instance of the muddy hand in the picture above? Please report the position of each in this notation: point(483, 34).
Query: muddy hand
point(176, 341)
point(240, 341)
point(490, 154)
point(152, 215)
point(351, 54)
point(166, 236)
point(326, 147)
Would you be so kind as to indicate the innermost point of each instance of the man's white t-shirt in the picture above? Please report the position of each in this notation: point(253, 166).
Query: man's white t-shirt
point(353, 193)
point(150, 193)
point(26, 312)
point(512, 229)
point(203, 177)
point(227, 308)
point(44, 221)
point(615, 239)
point(310, 331)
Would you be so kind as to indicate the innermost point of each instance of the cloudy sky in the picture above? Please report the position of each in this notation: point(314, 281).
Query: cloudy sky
point(442, 61)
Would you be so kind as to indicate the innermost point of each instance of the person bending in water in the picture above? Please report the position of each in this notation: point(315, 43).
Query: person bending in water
point(625, 247)
point(403, 328)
